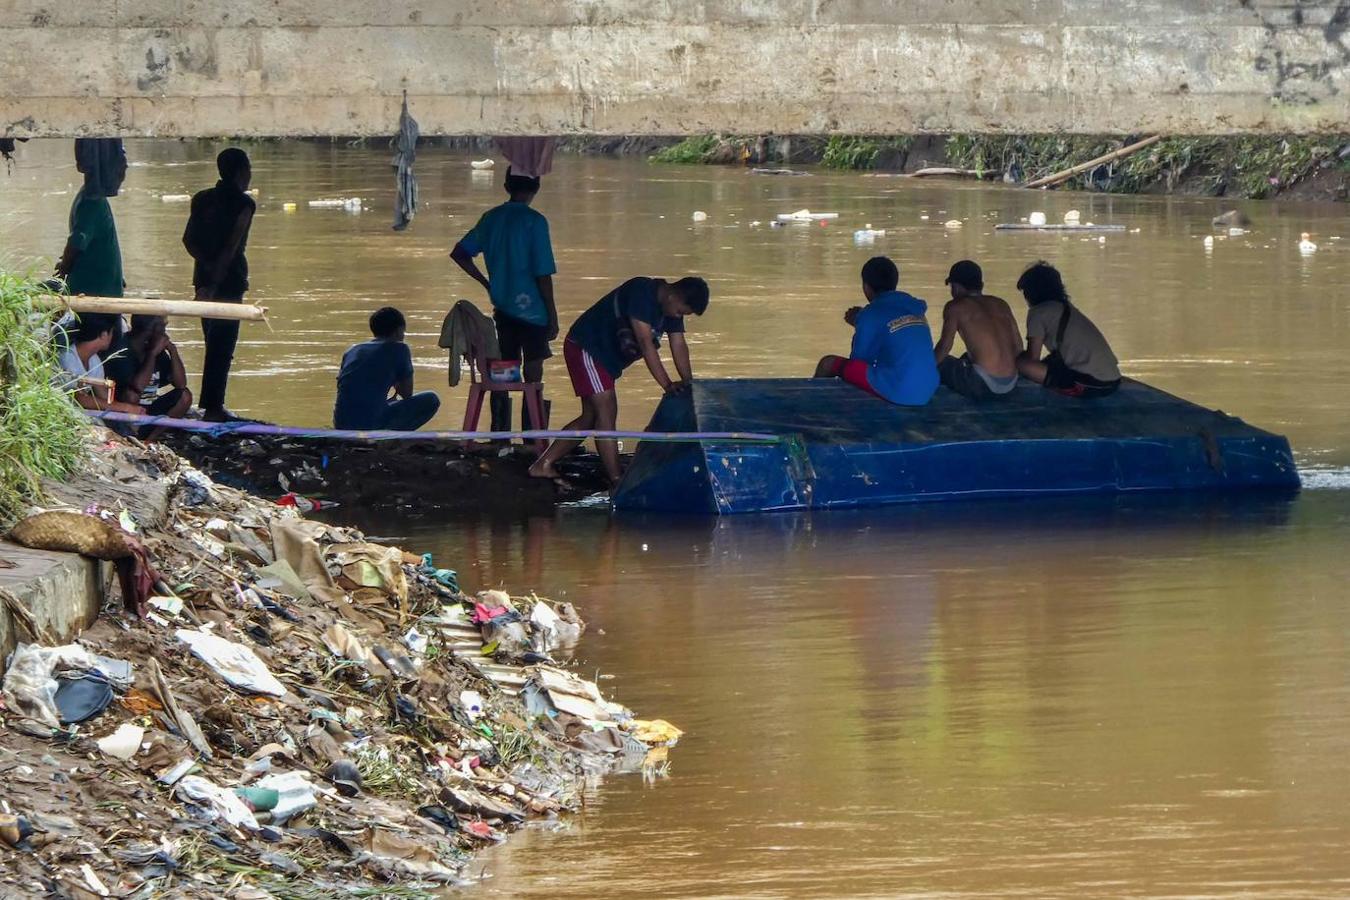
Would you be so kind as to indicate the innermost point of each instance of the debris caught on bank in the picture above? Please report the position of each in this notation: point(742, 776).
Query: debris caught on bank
point(300, 705)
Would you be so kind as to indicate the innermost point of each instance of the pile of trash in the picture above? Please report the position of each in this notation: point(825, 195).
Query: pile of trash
point(301, 713)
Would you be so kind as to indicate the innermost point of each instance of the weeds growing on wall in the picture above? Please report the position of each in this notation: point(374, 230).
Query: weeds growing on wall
point(855, 152)
point(1255, 166)
point(42, 433)
point(691, 150)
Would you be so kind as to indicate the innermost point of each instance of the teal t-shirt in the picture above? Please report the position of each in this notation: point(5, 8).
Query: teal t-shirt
point(514, 241)
point(98, 267)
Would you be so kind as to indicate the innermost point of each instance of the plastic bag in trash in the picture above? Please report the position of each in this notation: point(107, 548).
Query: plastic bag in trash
point(552, 631)
point(196, 486)
point(30, 682)
point(295, 794)
point(237, 664)
point(222, 803)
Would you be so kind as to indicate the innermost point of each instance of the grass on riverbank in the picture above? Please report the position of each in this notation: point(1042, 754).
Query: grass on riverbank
point(690, 151)
point(1258, 166)
point(42, 433)
point(1251, 166)
point(853, 152)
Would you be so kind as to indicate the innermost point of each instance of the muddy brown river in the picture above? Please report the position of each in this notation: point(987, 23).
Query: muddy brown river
point(1095, 697)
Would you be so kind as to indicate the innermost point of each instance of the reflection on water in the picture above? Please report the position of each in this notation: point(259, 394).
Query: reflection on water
point(1132, 696)
point(1128, 696)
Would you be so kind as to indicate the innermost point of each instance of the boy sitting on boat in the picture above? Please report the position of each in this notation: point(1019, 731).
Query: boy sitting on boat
point(1080, 361)
point(892, 354)
point(988, 328)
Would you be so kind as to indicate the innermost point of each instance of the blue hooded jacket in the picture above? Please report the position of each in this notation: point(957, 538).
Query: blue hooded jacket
point(892, 336)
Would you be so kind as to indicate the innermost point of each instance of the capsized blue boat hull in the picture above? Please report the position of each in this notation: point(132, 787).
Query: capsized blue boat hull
point(841, 448)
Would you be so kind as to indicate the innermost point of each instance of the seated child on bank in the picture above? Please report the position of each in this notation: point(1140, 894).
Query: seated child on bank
point(147, 371)
point(370, 371)
point(82, 366)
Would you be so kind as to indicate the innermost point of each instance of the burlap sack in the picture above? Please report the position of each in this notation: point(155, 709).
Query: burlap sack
point(71, 532)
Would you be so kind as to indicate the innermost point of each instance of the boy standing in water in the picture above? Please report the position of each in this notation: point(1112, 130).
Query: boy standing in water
point(624, 326)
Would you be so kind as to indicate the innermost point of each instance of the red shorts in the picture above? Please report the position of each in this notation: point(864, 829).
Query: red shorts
point(588, 376)
point(854, 371)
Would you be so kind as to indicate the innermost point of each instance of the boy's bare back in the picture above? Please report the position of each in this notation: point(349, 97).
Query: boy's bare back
point(990, 332)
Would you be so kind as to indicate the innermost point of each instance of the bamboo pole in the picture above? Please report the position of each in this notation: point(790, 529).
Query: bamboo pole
point(201, 309)
point(1065, 175)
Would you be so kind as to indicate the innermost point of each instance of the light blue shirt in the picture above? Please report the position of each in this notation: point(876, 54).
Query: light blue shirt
point(514, 241)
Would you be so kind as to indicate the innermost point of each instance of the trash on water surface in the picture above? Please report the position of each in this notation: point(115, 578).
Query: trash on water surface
point(350, 204)
point(700, 216)
point(1036, 218)
point(805, 215)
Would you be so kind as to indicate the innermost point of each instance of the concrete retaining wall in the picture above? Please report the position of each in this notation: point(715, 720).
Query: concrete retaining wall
point(62, 591)
point(330, 67)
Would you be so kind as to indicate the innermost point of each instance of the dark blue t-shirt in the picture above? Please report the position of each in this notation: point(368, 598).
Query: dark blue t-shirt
point(606, 332)
point(892, 336)
point(369, 371)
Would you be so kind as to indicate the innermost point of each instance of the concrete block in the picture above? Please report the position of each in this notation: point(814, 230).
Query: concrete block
point(62, 591)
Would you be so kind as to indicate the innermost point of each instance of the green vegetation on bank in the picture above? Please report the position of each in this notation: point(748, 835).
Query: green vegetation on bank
point(690, 151)
point(854, 152)
point(42, 434)
point(1255, 166)
point(1247, 166)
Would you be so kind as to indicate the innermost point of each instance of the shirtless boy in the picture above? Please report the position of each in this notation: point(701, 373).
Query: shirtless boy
point(989, 330)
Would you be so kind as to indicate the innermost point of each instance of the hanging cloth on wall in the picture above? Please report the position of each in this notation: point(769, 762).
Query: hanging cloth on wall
point(405, 152)
point(529, 156)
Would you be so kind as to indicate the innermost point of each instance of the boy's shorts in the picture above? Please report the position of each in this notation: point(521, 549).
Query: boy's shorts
point(854, 371)
point(588, 376)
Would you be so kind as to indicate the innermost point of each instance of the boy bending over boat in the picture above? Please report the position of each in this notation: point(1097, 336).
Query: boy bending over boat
point(625, 326)
point(892, 355)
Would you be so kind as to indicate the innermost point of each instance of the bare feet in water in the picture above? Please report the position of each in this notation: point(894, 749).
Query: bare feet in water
point(541, 469)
